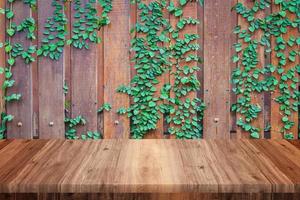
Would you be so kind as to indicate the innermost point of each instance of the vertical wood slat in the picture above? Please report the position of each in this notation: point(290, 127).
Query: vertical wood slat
point(35, 85)
point(51, 78)
point(189, 10)
point(107, 77)
point(84, 81)
point(100, 79)
point(2, 55)
point(158, 133)
point(116, 69)
point(67, 62)
point(22, 110)
point(256, 98)
point(217, 65)
point(276, 113)
point(233, 97)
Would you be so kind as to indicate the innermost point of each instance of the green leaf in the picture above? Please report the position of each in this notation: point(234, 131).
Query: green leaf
point(182, 2)
point(178, 12)
point(255, 135)
point(235, 59)
point(11, 61)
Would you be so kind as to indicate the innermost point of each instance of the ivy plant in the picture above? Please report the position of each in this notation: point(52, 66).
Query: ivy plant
point(87, 23)
point(249, 78)
point(156, 53)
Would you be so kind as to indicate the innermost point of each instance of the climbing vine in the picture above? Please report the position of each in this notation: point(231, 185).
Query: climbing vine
point(54, 32)
point(249, 78)
point(88, 23)
point(85, 30)
point(13, 51)
point(157, 53)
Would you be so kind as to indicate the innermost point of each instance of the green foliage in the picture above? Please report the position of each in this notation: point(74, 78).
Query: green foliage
point(54, 33)
point(105, 106)
point(71, 132)
point(249, 79)
point(4, 119)
point(52, 46)
point(156, 55)
point(87, 23)
point(71, 124)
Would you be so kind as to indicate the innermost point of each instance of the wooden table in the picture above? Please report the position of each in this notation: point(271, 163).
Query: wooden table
point(157, 167)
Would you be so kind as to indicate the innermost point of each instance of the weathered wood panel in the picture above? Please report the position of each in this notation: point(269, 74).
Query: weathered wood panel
point(93, 76)
point(51, 82)
point(217, 67)
point(84, 84)
point(117, 69)
point(22, 110)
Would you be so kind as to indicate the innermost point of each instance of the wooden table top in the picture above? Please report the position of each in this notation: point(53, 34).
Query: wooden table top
point(156, 166)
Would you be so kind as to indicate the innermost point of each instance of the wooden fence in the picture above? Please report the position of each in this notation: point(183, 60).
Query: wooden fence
point(93, 75)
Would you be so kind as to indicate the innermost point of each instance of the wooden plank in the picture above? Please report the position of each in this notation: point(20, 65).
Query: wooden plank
point(296, 143)
point(151, 196)
point(276, 113)
point(51, 80)
point(100, 79)
point(217, 65)
point(22, 110)
point(189, 11)
point(233, 97)
point(4, 143)
point(158, 133)
point(256, 98)
point(84, 82)
point(150, 166)
point(67, 62)
point(116, 69)
point(35, 79)
point(11, 170)
point(2, 55)
point(282, 160)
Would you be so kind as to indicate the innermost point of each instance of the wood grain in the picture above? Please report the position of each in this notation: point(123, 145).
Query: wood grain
point(217, 67)
point(51, 81)
point(117, 69)
point(149, 166)
point(84, 84)
point(22, 110)
point(150, 196)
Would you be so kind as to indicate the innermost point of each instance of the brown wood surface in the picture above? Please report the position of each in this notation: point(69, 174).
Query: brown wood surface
point(84, 84)
point(22, 110)
point(51, 81)
point(218, 41)
point(150, 196)
point(117, 69)
point(149, 166)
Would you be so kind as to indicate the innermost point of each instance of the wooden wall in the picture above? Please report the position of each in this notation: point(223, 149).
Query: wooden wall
point(93, 76)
